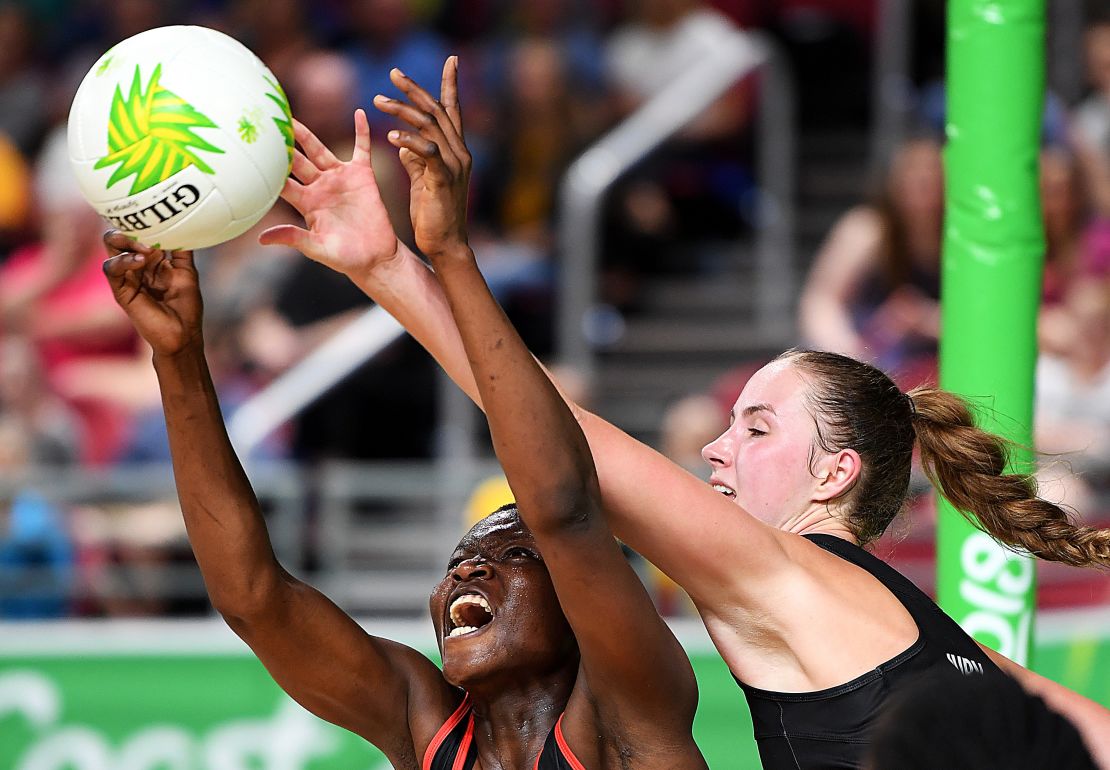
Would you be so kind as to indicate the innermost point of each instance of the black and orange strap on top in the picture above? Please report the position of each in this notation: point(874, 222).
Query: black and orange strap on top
point(556, 754)
point(453, 748)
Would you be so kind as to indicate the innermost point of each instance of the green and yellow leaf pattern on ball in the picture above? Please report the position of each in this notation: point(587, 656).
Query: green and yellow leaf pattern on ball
point(285, 125)
point(151, 134)
point(248, 131)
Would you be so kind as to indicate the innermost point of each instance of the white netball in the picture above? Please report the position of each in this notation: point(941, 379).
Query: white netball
point(180, 137)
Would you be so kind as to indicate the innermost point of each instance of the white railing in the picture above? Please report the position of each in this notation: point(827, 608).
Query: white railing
point(376, 535)
point(302, 384)
point(733, 56)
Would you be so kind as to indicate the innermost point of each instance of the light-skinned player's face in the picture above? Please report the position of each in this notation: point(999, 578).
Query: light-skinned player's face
point(764, 461)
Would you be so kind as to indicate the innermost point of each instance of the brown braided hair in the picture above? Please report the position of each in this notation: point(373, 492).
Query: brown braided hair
point(855, 405)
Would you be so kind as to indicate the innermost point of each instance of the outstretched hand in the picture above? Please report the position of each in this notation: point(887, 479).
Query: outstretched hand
point(158, 290)
point(348, 227)
point(436, 158)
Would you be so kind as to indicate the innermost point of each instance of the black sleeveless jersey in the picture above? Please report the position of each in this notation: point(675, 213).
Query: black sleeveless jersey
point(453, 748)
point(829, 728)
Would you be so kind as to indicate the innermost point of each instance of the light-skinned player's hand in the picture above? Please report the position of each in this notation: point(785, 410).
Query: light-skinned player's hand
point(347, 226)
point(158, 290)
point(436, 159)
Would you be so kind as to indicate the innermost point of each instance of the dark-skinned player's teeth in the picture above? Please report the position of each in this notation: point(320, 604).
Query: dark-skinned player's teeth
point(462, 606)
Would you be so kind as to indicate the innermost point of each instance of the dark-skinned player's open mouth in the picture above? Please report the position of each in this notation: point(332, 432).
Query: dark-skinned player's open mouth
point(469, 613)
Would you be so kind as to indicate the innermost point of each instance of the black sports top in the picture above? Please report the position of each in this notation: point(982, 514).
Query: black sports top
point(829, 728)
point(453, 748)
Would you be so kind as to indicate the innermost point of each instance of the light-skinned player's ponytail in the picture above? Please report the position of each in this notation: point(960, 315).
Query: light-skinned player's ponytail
point(856, 406)
point(967, 465)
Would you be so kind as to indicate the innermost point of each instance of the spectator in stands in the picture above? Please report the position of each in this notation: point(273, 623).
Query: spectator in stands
point(1090, 136)
point(540, 126)
point(676, 211)
point(1064, 213)
point(662, 40)
point(36, 554)
point(297, 304)
point(88, 29)
point(135, 559)
point(240, 278)
point(22, 85)
point(539, 130)
point(1091, 125)
point(1072, 247)
point(323, 91)
point(873, 290)
point(570, 25)
point(688, 425)
point(279, 32)
point(1073, 398)
point(52, 293)
point(49, 428)
point(15, 195)
point(130, 17)
point(395, 391)
point(387, 34)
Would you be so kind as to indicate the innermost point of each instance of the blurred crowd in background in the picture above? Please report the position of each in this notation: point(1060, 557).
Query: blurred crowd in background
point(541, 81)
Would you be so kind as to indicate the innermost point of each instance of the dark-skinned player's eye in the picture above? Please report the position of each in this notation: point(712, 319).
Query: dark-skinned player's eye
point(521, 553)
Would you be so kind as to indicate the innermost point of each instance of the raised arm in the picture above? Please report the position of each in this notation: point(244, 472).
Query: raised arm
point(348, 230)
point(673, 518)
point(385, 692)
point(543, 452)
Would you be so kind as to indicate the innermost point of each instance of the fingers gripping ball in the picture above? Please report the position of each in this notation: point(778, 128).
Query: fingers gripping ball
point(181, 137)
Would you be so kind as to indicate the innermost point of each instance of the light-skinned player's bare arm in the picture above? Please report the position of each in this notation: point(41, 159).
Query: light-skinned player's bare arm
point(348, 230)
